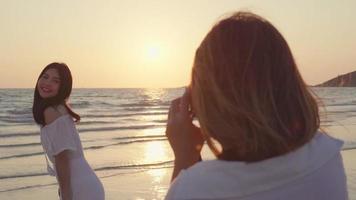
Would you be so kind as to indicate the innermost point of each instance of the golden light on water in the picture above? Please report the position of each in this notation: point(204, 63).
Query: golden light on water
point(154, 93)
point(157, 174)
point(155, 151)
point(158, 150)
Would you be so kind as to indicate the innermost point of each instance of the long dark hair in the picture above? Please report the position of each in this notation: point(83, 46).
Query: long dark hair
point(65, 89)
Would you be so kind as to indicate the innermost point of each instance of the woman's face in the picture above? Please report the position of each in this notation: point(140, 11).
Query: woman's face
point(48, 84)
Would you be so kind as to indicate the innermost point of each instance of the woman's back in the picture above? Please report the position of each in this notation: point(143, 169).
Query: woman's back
point(314, 171)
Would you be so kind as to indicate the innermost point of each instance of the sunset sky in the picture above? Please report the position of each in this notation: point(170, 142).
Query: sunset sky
point(151, 43)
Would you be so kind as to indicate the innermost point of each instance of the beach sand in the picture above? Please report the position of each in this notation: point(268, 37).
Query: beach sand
point(350, 167)
point(151, 184)
point(147, 184)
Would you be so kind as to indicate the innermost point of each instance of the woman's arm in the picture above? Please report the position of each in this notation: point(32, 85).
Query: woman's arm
point(61, 160)
point(63, 175)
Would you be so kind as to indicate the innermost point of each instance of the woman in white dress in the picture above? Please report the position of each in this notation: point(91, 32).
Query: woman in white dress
point(59, 137)
point(258, 117)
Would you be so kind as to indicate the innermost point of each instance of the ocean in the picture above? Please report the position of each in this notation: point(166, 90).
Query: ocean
point(123, 135)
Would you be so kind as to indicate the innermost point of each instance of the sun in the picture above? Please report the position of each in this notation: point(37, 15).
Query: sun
point(153, 52)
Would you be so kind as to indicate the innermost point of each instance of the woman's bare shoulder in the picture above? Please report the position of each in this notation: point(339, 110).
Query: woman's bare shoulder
point(53, 113)
point(62, 109)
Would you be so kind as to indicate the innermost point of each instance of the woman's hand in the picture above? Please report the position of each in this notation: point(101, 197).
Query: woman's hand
point(184, 137)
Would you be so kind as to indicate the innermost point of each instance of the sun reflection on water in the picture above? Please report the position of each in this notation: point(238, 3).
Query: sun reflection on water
point(155, 152)
point(154, 94)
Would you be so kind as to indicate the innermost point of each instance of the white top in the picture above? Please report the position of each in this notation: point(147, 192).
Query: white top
point(62, 135)
point(58, 136)
point(312, 172)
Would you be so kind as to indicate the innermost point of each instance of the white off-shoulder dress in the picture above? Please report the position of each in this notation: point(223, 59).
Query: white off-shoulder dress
point(62, 135)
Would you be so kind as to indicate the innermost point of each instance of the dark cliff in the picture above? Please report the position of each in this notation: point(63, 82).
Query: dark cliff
point(345, 80)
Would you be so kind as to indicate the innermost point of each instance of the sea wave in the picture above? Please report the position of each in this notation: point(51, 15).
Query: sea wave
point(121, 141)
point(82, 130)
point(125, 142)
point(119, 128)
point(349, 145)
point(122, 115)
point(19, 145)
point(80, 104)
point(105, 168)
point(348, 148)
point(135, 169)
point(16, 111)
point(28, 119)
point(17, 120)
point(146, 104)
point(139, 104)
point(9, 135)
point(344, 103)
point(27, 187)
point(96, 122)
point(21, 155)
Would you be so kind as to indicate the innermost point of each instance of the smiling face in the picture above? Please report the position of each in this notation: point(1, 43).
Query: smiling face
point(48, 84)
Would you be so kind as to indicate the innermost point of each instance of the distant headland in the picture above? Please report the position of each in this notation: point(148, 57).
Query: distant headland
point(345, 80)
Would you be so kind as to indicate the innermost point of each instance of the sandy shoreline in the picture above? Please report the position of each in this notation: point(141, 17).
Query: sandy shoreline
point(151, 184)
point(350, 167)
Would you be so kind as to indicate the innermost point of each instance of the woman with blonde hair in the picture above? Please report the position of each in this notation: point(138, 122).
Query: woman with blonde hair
point(258, 117)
